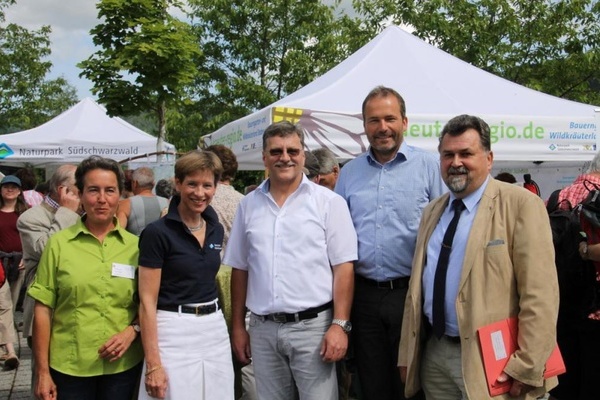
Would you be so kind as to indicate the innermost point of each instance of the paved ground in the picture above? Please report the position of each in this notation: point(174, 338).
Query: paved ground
point(16, 384)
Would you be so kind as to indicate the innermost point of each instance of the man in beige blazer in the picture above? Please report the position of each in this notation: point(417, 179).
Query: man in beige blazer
point(501, 264)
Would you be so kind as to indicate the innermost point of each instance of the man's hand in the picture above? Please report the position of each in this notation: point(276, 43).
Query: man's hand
point(595, 315)
point(67, 198)
point(403, 371)
point(517, 388)
point(335, 344)
point(240, 341)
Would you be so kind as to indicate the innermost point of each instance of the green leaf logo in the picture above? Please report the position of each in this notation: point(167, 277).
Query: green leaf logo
point(5, 151)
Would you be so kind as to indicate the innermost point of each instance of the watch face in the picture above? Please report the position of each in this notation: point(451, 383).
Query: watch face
point(345, 325)
point(136, 327)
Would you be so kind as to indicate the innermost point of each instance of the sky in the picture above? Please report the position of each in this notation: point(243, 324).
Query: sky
point(71, 43)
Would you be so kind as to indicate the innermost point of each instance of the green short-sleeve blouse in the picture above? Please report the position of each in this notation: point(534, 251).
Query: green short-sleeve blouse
point(90, 287)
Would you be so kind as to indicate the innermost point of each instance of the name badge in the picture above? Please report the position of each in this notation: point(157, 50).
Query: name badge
point(123, 270)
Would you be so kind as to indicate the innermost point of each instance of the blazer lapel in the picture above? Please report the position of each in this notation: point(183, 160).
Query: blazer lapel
point(481, 225)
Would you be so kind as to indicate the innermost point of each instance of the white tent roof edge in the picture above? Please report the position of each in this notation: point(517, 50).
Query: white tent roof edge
point(527, 125)
point(83, 130)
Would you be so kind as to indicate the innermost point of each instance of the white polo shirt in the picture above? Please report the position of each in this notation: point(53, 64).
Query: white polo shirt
point(288, 251)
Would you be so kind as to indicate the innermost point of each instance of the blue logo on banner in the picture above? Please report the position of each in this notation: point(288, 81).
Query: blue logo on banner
point(5, 151)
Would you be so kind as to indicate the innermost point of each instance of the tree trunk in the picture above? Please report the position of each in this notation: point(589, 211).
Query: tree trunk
point(162, 129)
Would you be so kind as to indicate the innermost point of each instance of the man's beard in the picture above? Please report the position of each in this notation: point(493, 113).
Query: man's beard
point(458, 179)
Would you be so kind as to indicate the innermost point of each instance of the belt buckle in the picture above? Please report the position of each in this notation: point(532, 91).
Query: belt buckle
point(385, 285)
point(280, 318)
point(202, 310)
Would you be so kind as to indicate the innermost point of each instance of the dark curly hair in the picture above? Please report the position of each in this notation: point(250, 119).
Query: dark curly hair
point(228, 159)
point(97, 162)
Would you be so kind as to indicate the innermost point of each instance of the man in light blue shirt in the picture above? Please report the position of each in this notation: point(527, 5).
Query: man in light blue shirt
point(386, 189)
point(457, 255)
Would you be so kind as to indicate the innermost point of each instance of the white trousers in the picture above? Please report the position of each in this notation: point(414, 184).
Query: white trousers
point(196, 356)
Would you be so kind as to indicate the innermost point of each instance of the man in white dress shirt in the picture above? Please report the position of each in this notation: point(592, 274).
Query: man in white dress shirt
point(292, 248)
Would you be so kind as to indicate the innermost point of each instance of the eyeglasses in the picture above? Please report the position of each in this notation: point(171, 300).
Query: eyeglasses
point(292, 152)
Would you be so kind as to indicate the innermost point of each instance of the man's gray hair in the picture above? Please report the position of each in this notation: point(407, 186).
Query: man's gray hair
point(144, 176)
point(327, 160)
point(282, 129)
point(63, 176)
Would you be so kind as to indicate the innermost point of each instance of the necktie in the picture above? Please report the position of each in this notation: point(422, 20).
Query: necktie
point(439, 282)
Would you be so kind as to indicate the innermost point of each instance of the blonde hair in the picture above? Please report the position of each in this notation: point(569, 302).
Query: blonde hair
point(198, 160)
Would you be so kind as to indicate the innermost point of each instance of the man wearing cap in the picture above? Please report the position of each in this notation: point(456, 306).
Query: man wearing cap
point(292, 248)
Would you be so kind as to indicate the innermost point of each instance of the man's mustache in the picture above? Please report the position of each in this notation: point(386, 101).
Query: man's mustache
point(283, 164)
point(457, 170)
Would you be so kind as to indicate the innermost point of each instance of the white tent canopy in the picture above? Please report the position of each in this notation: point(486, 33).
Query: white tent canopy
point(526, 125)
point(83, 130)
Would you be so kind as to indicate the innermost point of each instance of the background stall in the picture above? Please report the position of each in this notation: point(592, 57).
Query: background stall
point(532, 132)
point(83, 130)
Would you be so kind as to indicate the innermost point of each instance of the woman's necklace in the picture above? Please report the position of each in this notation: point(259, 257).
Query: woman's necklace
point(197, 227)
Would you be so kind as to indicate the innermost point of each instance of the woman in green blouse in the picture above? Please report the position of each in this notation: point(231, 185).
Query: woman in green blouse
point(84, 338)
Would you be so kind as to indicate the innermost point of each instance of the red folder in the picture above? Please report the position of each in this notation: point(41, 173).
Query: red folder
point(498, 342)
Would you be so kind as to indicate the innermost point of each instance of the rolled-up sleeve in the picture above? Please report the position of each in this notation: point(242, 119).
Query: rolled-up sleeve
point(44, 286)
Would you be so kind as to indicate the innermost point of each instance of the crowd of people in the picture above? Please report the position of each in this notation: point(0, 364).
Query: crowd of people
point(323, 282)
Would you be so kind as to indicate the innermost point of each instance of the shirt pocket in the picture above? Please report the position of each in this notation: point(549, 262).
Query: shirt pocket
point(406, 205)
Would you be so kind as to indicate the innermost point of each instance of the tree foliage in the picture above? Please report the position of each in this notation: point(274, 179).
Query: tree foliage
point(548, 45)
point(27, 98)
point(257, 52)
point(147, 58)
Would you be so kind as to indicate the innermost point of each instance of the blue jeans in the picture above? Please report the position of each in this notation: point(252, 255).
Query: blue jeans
point(119, 386)
point(284, 353)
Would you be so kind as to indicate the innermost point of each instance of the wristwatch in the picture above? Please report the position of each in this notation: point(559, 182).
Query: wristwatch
point(345, 325)
point(585, 251)
point(136, 327)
